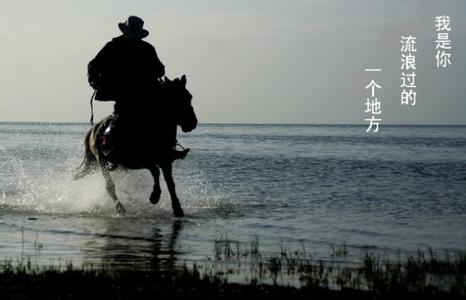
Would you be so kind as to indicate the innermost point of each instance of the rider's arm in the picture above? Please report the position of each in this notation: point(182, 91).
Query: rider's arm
point(97, 65)
point(157, 67)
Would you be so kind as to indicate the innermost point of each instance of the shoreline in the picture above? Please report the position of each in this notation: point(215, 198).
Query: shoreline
point(128, 284)
point(419, 276)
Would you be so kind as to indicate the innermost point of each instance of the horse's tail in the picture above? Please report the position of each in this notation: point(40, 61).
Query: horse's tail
point(89, 163)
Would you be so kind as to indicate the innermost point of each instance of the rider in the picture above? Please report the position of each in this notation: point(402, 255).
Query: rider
point(127, 71)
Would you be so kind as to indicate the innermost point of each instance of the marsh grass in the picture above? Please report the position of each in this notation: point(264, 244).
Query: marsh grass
point(419, 273)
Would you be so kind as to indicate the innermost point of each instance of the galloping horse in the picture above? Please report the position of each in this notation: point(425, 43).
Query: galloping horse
point(150, 150)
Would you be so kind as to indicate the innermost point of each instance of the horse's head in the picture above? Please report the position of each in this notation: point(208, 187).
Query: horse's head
point(181, 100)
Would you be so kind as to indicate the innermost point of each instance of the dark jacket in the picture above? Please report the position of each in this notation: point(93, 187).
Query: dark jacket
point(124, 68)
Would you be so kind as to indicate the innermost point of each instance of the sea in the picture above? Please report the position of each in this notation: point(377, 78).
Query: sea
point(315, 188)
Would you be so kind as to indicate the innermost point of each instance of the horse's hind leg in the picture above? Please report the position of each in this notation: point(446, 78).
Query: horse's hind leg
point(155, 196)
point(110, 186)
point(167, 174)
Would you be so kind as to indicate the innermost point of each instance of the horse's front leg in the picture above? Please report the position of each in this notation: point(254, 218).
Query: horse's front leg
point(167, 174)
point(155, 196)
point(110, 186)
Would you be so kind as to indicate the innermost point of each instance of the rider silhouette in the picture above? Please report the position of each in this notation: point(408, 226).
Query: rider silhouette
point(127, 71)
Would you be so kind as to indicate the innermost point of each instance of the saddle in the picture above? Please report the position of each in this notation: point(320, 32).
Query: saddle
point(112, 138)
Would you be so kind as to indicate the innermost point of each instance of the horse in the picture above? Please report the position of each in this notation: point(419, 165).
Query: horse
point(150, 151)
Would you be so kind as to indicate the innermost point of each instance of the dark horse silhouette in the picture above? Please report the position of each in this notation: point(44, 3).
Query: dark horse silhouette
point(145, 148)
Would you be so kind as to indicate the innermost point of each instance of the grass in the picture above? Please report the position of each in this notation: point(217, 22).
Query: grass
point(422, 271)
point(419, 275)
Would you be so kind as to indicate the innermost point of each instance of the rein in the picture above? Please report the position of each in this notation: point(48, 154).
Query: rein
point(92, 107)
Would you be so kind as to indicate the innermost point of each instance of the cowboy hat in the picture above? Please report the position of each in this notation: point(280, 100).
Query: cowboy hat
point(133, 28)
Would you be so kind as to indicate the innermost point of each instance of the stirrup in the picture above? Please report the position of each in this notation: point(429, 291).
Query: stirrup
point(179, 145)
point(179, 154)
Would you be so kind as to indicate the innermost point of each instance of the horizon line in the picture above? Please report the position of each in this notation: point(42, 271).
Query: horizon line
point(249, 123)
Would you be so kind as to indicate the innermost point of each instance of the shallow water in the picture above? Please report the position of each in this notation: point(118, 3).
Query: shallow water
point(310, 186)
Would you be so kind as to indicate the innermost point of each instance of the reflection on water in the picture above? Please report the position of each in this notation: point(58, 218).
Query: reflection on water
point(113, 242)
point(156, 251)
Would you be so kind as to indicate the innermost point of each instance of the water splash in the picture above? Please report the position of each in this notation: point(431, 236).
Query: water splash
point(47, 188)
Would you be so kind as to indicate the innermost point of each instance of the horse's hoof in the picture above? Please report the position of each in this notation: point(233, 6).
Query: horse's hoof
point(154, 198)
point(178, 212)
point(120, 209)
